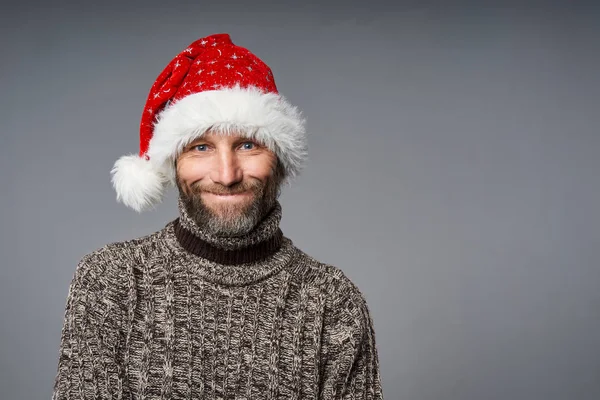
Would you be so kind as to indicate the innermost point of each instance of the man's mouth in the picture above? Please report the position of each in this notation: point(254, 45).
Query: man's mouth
point(227, 195)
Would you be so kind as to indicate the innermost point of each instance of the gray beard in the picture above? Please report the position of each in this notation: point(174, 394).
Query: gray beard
point(231, 221)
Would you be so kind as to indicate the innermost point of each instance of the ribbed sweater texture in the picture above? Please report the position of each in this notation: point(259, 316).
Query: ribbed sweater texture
point(181, 314)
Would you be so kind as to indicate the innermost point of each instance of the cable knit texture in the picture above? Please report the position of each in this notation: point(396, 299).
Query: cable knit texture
point(150, 318)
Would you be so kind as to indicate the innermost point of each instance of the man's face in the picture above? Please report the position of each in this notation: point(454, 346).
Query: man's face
point(228, 182)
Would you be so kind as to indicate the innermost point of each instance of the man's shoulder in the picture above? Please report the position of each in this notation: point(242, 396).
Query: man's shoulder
point(116, 256)
point(333, 280)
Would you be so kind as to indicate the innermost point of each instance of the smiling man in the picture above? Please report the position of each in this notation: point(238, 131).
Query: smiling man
point(218, 304)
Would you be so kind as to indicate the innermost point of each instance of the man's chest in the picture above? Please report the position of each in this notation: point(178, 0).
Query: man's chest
point(191, 338)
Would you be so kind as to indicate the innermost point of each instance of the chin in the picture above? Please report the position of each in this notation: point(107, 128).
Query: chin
point(228, 206)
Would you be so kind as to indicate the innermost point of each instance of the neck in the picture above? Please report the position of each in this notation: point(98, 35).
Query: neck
point(258, 244)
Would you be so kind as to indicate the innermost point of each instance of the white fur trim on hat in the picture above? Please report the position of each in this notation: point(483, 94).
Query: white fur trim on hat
point(266, 117)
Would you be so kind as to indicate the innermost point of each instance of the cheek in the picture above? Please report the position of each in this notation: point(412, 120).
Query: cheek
point(260, 167)
point(189, 171)
point(257, 171)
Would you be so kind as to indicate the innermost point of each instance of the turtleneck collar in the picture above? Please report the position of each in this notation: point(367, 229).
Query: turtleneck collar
point(230, 261)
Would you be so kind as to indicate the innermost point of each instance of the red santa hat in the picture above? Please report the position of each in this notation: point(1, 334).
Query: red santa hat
point(212, 84)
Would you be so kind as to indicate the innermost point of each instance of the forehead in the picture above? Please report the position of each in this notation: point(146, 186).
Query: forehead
point(220, 137)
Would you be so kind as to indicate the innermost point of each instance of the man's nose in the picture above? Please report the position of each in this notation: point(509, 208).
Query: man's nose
point(227, 170)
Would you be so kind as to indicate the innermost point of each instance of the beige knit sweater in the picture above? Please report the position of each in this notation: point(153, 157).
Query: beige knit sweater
point(179, 314)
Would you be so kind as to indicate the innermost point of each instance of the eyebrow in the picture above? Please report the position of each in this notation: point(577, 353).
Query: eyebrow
point(243, 139)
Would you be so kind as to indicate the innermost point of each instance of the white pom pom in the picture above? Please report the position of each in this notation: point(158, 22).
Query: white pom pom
point(138, 183)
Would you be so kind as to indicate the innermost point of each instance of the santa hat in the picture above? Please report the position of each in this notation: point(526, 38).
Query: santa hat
point(212, 84)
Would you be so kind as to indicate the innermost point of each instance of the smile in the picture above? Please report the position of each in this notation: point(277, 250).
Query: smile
point(228, 195)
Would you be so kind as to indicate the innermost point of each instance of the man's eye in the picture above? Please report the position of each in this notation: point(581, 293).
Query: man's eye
point(199, 147)
point(248, 145)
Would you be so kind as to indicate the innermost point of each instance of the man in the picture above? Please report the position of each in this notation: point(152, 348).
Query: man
point(218, 304)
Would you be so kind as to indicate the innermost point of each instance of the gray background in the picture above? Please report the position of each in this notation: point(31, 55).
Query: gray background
point(454, 163)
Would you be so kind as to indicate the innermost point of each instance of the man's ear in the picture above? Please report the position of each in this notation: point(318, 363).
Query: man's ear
point(279, 170)
point(175, 168)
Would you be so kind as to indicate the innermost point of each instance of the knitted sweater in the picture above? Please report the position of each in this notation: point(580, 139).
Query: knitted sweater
point(180, 314)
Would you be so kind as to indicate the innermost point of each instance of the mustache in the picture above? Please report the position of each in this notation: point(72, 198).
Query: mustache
point(240, 187)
